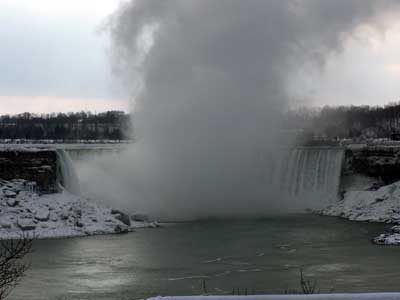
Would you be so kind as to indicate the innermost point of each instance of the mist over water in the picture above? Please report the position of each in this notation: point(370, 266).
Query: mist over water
point(209, 83)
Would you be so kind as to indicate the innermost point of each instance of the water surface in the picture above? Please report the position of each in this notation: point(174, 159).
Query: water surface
point(262, 256)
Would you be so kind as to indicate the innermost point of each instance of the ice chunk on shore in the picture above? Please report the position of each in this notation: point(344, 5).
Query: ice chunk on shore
point(26, 224)
point(42, 214)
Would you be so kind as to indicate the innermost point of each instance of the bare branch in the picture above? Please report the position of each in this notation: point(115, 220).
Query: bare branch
point(13, 263)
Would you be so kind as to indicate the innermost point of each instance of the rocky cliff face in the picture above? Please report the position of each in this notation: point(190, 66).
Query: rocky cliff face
point(381, 162)
point(39, 166)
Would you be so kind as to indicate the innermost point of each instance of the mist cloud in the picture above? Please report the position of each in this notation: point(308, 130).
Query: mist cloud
point(208, 96)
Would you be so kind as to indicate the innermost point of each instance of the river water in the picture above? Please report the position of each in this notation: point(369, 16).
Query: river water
point(262, 256)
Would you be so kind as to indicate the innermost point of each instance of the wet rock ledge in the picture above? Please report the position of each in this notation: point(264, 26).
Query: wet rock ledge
point(376, 161)
point(33, 165)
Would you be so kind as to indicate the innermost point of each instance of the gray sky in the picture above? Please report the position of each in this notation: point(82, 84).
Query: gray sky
point(53, 58)
point(366, 71)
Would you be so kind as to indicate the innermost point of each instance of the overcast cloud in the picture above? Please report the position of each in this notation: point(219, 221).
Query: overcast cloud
point(54, 55)
point(53, 58)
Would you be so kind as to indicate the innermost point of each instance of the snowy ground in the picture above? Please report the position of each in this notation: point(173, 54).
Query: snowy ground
point(359, 296)
point(58, 215)
point(381, 205)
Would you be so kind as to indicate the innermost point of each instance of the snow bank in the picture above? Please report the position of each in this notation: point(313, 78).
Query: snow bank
point(382, 205)
point(57, 215)
point(390, 238)
point(361, 296)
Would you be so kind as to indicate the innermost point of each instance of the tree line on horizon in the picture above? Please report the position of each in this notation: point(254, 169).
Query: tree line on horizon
point(340, 122)
point(110, 125)
point(328, 122)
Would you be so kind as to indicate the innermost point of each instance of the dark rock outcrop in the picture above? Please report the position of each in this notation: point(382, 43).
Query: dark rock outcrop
point(381, 162)
point(38, 166)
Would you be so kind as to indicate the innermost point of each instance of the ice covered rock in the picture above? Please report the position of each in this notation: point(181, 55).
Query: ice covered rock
point(121, 229)
point(387, 239)
point(154, 225)
point(92, 230)
point(58, 215)
point(123, 217)
point(64, 215)
point(12, 202)
point(392, 237)
point(10, 194)
point(6, 224)
point(395, 229)
point(42, 214)
point(26, 224)
point(53, 217)
point(78, 223)
point(78, 212)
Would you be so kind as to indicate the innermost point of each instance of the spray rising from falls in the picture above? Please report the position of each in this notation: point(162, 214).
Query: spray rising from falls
point(210, 83)
point(288, 180)
point(66, 172)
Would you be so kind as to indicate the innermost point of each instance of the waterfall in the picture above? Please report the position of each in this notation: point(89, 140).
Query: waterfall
point(312, 172)
point(305, 175)
point(66, 172)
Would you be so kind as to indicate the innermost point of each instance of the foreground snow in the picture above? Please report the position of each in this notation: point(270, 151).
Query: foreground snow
point(382, 205)
point(58, 215)
point(344, 296)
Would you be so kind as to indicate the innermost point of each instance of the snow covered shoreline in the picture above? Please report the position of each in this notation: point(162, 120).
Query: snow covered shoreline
point(381, 205)
point(58, 215)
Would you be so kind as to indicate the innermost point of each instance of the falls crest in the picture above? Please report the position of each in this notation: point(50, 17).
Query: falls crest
point(67, 175)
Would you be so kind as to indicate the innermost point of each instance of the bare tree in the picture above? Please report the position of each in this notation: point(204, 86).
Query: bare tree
point(308, 286)
point(13, 263)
